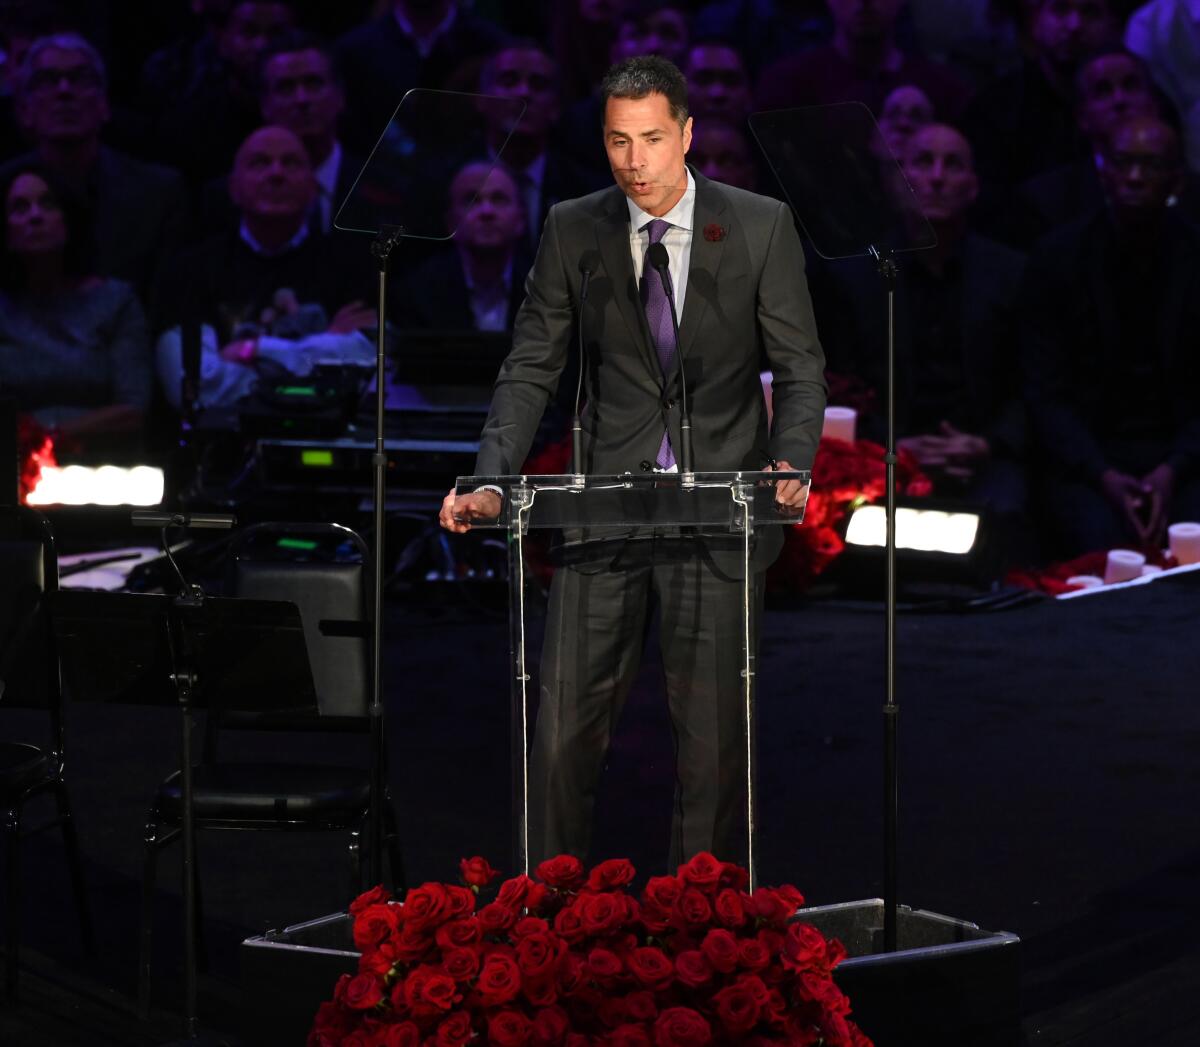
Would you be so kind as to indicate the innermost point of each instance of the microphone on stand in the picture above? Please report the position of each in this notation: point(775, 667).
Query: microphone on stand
point(657, 256)
point(587, 265)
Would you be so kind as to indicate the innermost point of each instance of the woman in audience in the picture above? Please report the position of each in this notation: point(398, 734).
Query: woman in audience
point(74, 350)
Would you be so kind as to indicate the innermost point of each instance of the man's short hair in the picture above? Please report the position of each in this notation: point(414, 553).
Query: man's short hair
point(60, 42)
point(290, 42)
point(644, 75)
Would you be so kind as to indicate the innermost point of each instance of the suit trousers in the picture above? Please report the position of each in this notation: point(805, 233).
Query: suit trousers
point(597, 621)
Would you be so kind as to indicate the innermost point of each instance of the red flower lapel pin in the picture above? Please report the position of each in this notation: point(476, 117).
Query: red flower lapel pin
point(714, 233)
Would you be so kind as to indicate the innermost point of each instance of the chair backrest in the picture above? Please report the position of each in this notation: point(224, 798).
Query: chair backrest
point(332, 596)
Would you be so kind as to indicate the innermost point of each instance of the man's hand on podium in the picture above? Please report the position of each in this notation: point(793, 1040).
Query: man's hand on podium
point(790, 495)
point(458, 511)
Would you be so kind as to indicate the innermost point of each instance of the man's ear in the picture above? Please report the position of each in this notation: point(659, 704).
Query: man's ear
point(687, 135)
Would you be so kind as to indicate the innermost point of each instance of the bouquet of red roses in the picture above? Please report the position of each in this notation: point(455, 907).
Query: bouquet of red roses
point(573, 958)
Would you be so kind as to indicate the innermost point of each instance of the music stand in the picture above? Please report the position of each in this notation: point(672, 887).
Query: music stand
point(853, 201)
point(193, 652)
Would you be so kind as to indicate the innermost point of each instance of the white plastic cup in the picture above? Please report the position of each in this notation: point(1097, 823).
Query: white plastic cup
point(1085, 581)
point(840, 423)
point(1123, 565)
point(1184, 542)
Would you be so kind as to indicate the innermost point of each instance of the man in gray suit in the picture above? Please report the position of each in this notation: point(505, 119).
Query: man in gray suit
point(738, 273)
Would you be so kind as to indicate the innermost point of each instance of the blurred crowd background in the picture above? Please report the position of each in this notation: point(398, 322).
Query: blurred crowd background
point(172, 170)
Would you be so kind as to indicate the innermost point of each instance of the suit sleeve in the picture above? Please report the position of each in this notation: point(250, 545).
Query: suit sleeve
point(530, 373)
point(789, 334)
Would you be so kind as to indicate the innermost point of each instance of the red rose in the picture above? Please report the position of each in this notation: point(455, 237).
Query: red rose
point(537, 957)
point(720, 948)
point(692, 968)
point(495, 918)
point(460, 901)
point(693, 909)
point(425, 906)
point(564, 873)
point(600, 914)
point(357, 1038)
point(550, 1025)
point(714, 233)
point(379, 961)
point(728, 908)
point(640, 1006)
point(629, 1035)
point(822, 990)
point(568, 925)
point(375, 924)
point(804, 949)
point(362, 992)
point(605, 966)
point(612, 1011)
point(752, 954)
point(453, 1031)
point(792, 898)
point(801, 1031)
point(681, 1027)
point(377, 895)
point(513, 892)
point(402, 1034)
point(458, 934)
point(499, 980)
point(476, 872)
point(734, 876)
point(410, 945)
point(703, 871)
point(528, 925)
point(662, 891)
point(461, 964)
point(651, 967)
point(509, 1028)
point(572, 975)
point(737, 1009)
point(770, 906)
point(429, 992)
point(616, 872)
point(333, 1019)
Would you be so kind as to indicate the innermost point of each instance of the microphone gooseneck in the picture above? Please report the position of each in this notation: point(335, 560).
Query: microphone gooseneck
point(659, 260)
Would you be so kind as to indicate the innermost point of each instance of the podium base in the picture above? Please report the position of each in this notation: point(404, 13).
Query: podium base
point(948, 984)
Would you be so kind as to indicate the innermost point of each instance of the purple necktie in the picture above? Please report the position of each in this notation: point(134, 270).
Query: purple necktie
point(658, 319)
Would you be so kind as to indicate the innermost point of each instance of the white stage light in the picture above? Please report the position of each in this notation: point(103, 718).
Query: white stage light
point(925, 530)
point(101, 485)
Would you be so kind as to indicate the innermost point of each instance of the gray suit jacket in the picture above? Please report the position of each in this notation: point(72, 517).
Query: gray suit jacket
point(747, 306)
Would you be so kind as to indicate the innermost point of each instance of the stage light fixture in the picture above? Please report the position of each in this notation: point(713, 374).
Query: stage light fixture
point(922, 530)
point(99, 485)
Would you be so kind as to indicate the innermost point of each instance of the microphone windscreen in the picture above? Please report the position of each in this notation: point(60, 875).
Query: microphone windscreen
point(589, 262)
point(656, 255)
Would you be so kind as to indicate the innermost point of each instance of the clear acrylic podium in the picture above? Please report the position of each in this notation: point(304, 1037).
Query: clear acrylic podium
point(732, 506)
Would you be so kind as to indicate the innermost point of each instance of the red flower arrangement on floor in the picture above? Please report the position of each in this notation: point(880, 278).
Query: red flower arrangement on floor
point(573, 958)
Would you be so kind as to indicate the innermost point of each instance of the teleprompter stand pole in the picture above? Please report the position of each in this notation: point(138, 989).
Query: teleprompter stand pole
point(381, 250)
point(891, 711)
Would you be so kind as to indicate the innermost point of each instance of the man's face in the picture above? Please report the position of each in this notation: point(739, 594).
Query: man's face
point(646, 149)
point(34, 219)
point(527, 75)
point(485, 210)
point(864, 19)
point(1140, 167)
point(64, 98)
point(717, 83)
point(719, 151)
point(905, 110)
point(1112, 88)
point(300, 93)
point(251, 26)
point(272, 176)
point(665, 32)
point(1066, 30)
point(940, 170)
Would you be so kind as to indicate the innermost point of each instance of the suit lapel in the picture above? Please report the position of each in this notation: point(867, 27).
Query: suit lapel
point(612, 237)
point(704, 263)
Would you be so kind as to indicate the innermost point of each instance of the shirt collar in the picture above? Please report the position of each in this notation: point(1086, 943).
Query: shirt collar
point(425, 44)
point(680, 216)
point(258, 249)
point(326, 172)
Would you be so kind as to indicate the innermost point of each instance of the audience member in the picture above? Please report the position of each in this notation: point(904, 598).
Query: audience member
point(978, 37)
point(479, 283)
point(544, 175)
point(765, 30)
point(204, 100)
point(721, 152)
point(73, 345)
point(140, 209)
point(958, 399)
point(863, 63)
point(1113, 377)
point(1165, 34)
point(718, 84)
point(905, 111)
point(272, 296)
point(1024, 123)
point(415, 43)
point(653, 27)
point(581, 38)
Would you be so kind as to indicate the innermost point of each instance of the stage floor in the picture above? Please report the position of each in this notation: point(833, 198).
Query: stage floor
point(1050, 760)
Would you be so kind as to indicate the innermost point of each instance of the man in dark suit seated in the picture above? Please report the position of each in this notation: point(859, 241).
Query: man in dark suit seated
point(735, 262)
point(1110, 313)
point(140, 208)
point(478, 283)
point(958, 392)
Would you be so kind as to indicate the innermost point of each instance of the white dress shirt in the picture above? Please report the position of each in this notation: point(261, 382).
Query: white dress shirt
point(677, 240)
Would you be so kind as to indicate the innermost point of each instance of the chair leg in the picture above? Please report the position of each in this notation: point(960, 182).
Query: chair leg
point(145, 937)
point(201, 941)
point(395, 852)
point(75, 864)
point(12, 920)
